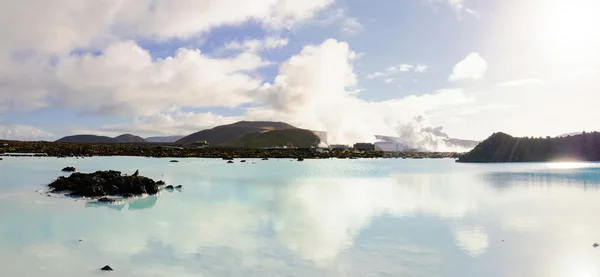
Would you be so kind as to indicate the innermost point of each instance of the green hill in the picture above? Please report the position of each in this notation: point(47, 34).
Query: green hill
point(293, 138)
point(501, 147)
point(224, 134)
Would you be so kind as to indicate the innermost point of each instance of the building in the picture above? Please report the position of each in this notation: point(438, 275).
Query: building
point(200, 143)
point(389, 146)
point(364, 147)
point(340, 147)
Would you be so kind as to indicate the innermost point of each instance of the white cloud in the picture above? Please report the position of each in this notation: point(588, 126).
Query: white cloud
point(64, 25)
point(348, 25)
point(389, 80)
point(405, 67)
point(421, 68)
point(38, 67)
point(125, 80)
point(458, 5)
point(397, 69)
point(351, 26)
point(375, 75)
point(23, 132)
point(256, 45)
point(473, 67)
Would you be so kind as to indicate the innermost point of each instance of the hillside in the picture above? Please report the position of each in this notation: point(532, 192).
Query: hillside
point(222, 135)
point(88, 139)
point(293, 138)
point(125, 138)
point(167, 139)
point(501, 147)
point(129, 138)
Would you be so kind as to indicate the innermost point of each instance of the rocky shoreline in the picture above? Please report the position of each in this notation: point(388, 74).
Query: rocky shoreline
point(57, 149)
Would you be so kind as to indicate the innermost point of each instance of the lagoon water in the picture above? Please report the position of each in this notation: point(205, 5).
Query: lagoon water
point(313, 218)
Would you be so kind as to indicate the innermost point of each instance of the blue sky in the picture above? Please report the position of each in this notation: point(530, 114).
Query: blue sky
point(353, 68)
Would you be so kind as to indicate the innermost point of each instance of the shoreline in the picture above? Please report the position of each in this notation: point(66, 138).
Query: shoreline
point(170, 150)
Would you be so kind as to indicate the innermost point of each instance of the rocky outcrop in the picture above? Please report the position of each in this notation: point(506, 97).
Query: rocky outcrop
point(69, 169)
point(104, 183)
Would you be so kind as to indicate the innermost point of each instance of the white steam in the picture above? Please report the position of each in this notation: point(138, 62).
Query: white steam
point(316, 89)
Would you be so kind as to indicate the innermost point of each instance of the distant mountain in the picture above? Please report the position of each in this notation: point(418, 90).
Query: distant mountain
point(88, 139)
point(255, 134)
point(125, 138)
point(129, 138)
point(462, 143)
point(501, 147)
point(167, 139)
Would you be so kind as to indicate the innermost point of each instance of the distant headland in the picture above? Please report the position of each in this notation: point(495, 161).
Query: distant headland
point(501, 147)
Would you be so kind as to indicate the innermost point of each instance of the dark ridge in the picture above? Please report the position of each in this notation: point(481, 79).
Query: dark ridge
point(222, 135)
point(501, 147)
point(129, 138)
point(88, 139)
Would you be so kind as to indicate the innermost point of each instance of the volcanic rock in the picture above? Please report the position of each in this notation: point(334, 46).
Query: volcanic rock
point(104, 183)
point(107, 200)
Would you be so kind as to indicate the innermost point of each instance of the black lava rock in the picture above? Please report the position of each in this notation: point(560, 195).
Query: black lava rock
point(106, 268)
point(265, 159)
point(242, 161)
point(104, 183)
point(300, 159)
point(69, 169)
point(230, 162)
point(107, 200)
point(174, 161)
point(595, 245)
point(160, 183)
point(228, 159)
point(169, 187)
point(179, 187)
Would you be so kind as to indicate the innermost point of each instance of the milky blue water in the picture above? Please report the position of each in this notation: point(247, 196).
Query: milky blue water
point(312, 218)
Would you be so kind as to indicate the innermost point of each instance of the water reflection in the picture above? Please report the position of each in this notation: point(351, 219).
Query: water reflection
point(143, 203)
point(586, 177)
point(404, 223)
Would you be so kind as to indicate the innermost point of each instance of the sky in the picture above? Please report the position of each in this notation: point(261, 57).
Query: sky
point(352, 68)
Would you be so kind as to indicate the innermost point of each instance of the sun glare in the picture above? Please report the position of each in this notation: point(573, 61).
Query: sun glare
point(567, 26)
point(568, 165)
